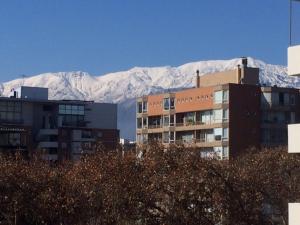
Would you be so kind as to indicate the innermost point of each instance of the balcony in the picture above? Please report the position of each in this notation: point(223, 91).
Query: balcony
point(50, 157)
point(193, 125)
point(47, 132)
point(155, 126)
point(47, 144)
point(11, 122)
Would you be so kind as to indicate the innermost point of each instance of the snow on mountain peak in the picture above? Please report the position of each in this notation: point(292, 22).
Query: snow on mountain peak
point(123, 87)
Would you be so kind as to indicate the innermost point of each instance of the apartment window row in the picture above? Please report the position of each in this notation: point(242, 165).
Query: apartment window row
point(278, 99)
point(142, 107)
point(278, 117)
point(10, 106)
point(73, 120)
point(12, 139)
point(205, 117)
point(10, 111)
point(216, 134)
point(190, 118)
point(274, 136)
point(215, 152)
point(221, 96)
point(210, 135)
point(71, 109)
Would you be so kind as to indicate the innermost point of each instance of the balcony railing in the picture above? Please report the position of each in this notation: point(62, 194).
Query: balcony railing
point(200, 140)
point(193, 123)
point(155, 126)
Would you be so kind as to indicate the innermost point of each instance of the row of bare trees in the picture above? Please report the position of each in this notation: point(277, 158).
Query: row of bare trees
point(168, 187)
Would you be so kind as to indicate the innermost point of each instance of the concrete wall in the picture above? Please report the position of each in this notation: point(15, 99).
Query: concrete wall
point(27, 113)
point(230, 76)
point(33, 93)
point(101, 115)
point(294, 213)
point(245, 75)
point(294, 138)
point(244, 118)
point(294, 60)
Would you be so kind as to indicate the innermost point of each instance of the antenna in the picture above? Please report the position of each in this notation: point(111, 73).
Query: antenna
point(291, 20)
point(23, 76)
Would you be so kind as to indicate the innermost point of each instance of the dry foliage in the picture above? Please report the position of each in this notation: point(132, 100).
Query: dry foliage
point(168, 187)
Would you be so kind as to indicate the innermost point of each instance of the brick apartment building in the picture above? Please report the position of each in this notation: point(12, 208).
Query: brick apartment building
point(59, 130)
point(226, 113)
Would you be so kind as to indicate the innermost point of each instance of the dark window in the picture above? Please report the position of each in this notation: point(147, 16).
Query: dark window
point(10, 111)
point(73, 120)
point(52, 151)
point(71, 109)
point(140, 107)
point(172, 103)
point(166, 103)
point(86, 134)
point(281, 98)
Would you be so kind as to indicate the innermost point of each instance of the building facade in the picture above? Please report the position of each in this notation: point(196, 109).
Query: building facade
point(225, 114)
point(58, 130)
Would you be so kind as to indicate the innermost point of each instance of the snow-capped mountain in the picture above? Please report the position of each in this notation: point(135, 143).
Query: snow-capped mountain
point(123, 87)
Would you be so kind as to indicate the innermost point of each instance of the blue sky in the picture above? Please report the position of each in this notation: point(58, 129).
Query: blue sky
point(101, 36)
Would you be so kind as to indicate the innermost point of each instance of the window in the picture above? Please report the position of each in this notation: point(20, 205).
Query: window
point(172, 103)
point(166, 137)
point(140, 107)
point(190, 118)
point(207, 153)
point(145, 138)
point(225, 114)
point(86, 134)
point(286, 98)
point(265, 99)
point(166, 104)
point(188, 137)
point(139, 124)
point(145, 106)
point(281, 98)
point(275, 98)
point(145, 122)
point(139, 138)
point(172, 136)
point(73, 120)
point(225, 95)
point(166, 121)
point(10, 111)
point(71, 109)
point(14, 139)
point(218, 152)
point(221, 96)
point(218, 97)
point(225, 134)
point(218, 115)
point(206, 117)
point(225, 154)
point(218, 132)
point(292, 99)
point(293, 117)
point(172, 120)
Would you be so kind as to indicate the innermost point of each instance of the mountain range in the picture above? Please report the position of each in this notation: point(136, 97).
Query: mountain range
point(125, 86)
